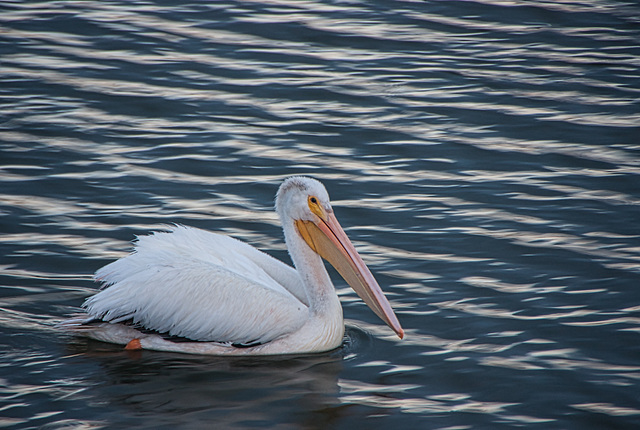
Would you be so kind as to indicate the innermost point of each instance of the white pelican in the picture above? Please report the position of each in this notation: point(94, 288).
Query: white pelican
point(189, 290)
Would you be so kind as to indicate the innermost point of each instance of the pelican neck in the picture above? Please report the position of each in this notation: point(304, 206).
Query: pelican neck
point(309, 265)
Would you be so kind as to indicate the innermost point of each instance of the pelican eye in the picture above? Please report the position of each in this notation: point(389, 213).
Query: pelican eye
point(314, 206)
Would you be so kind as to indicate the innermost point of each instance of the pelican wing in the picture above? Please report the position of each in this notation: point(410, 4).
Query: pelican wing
point(203, 286)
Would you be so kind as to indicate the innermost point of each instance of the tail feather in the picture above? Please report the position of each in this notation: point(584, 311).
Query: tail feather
point(77, 322)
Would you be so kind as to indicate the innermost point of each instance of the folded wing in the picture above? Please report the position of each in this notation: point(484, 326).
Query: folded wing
point(202, 286)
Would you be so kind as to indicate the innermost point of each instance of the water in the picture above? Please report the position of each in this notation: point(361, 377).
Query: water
point(483, 156)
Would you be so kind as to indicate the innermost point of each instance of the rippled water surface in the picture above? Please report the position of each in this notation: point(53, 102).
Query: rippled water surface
point(484, 157)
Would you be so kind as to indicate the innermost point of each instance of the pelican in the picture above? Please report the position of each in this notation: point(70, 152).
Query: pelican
point(192, 291)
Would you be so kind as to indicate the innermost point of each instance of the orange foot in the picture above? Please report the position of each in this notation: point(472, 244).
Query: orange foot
point(133, 345)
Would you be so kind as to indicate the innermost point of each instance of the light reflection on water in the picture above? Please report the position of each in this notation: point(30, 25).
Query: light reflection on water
point(482, 156)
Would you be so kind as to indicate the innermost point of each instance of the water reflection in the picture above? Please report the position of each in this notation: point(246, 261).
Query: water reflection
point(233, 392)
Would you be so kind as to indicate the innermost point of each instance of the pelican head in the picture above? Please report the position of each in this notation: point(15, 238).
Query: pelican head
point(304, 202)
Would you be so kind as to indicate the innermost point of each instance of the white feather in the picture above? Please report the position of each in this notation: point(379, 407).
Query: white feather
point(201, 285)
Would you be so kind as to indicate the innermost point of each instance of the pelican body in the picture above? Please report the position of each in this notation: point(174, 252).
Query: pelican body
point(193, 291)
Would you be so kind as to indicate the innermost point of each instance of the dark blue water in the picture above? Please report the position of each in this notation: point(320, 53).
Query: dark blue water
point(484, 157)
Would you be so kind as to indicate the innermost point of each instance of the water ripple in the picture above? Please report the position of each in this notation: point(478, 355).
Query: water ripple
point(482, 156)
